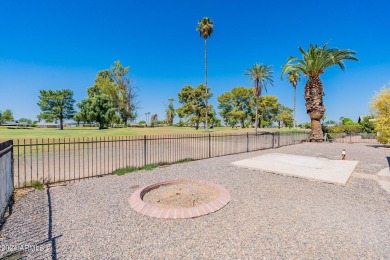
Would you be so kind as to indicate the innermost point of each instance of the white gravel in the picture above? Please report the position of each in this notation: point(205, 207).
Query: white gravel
point(269, 216)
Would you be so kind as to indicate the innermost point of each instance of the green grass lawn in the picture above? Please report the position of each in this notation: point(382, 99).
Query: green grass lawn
point(14, 133)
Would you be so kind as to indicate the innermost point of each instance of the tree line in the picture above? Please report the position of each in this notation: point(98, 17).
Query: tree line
point(112, 99)
point(239, 106)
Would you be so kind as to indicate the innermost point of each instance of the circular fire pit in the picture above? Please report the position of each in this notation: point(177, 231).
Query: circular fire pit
point(179, 199)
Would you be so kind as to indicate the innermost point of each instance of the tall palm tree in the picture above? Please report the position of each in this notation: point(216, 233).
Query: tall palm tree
point(205, 28)
point(261, 75)
point(313, 63)
point(294, 78)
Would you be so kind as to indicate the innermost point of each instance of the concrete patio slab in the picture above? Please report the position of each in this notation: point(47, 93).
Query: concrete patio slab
point(316, 168)
point(384, 172)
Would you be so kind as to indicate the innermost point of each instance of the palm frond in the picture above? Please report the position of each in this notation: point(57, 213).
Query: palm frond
point(261, 75)
point(316, 60)
point(205, 27)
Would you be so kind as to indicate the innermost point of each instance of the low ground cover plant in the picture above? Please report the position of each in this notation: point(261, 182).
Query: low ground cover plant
point(148, 167)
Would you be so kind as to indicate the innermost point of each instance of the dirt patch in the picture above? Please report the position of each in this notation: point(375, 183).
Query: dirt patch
point(180, 195)
point(21, 193)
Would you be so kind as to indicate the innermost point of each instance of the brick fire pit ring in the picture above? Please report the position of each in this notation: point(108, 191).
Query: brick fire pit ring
point(152, 210)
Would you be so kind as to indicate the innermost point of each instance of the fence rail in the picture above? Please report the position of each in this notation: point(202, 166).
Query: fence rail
point(367, 138)
point(66, 159)
point(6, 176)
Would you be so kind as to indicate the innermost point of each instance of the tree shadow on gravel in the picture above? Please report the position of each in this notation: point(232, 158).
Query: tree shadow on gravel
point(28, 232)
point(379, 145)
point(388, 161)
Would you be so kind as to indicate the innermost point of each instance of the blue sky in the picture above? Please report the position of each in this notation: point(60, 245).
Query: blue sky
point(63, 44)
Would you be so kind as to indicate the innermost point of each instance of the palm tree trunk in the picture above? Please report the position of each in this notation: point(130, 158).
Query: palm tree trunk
point(315, 107)
point(205, 62)
point(295, 104)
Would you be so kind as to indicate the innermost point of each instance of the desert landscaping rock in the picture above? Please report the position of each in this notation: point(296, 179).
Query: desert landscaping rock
point(269, 216)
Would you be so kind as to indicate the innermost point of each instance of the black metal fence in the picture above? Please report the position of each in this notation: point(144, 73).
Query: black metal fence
point(67, 159)
point(368, 138)
point(6, 176)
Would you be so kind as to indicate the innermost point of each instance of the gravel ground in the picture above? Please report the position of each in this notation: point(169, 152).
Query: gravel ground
point(269, 216)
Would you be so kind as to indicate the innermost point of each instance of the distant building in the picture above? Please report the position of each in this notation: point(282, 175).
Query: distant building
point(15, 123)
point(361, 118)
point(48, 125)
point(329, 125)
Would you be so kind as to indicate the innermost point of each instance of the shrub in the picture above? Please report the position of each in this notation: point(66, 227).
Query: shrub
point(37, 185)
point(122, 171)
point(150, 167)
point(348, 129)
point(180, 123)
point(367, 125)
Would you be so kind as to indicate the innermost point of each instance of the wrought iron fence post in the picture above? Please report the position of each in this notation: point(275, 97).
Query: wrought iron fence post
point(12, 164)
point(209, 145)
point(273, 140)
point(11, 204)
point(144, 150)
point(247, 142)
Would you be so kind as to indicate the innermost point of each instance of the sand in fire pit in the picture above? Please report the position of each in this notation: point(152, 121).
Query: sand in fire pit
point(180, 195)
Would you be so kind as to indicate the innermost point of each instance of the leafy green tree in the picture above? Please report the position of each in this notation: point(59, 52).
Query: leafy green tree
point(115, 120)
point(268, 109)
point(261, 75)
point(104, 84)
point(211, 116)
point(367, 124)
point(193, 102)
point(348, 121)
point(380, 108)
point(236, 105)
point(294, 78)
point(97, 108)
point(6, 116)
point(348, 129)
point(226, 106)
point(305, 125)
point(170, 112)
point(284, 115)
point(162, 122)
point(46, 118)
point(313, 63)
point(25, 120)
point(78, 118)
point(181, 123)
point(126, 103)
point(331, 122)
point(56, 104)
point(205, 28)
point(117, 85)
